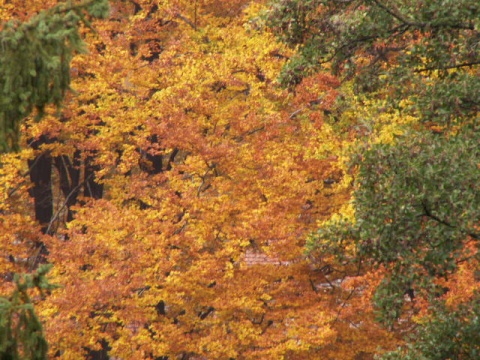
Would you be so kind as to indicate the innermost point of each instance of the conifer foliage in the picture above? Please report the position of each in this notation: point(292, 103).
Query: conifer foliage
point(35, 62)
point(21, 331)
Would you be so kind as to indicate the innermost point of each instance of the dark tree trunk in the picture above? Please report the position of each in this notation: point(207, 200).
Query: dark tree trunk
point(171, 158)
point(101, 354)
point(91, 188)
point(41, 176)
point(69, 173)
point(154, 162)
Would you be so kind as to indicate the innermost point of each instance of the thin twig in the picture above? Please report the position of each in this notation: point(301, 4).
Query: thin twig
point(193, 26)
point(433, 68)
point(57, 214)
point(398, 16)
point(295, 113)
point(432, 216)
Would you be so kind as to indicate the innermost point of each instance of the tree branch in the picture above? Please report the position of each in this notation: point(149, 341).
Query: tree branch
point(405, 21)
point(64, 205)
point(180, 16)
point(398, 16)
point(448, 67)
point(429, 214)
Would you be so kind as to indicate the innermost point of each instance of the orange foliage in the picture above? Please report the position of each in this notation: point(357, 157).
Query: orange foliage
point(202, 160)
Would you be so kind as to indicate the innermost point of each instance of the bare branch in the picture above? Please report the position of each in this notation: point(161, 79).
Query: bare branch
point(192, 25)
point(64, 205)
point(457, 66)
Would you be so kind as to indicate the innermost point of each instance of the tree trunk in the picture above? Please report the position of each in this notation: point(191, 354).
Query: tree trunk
point(92, 188)
point(69, 173)
point(41, 176)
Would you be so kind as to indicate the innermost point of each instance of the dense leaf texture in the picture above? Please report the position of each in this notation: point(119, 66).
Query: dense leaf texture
point(415, 213)
point(178, 118)
point(174, 193)
point(447, 335)
point(21, 332)
point(416, 204)
point(402, 45)
point(35, 62)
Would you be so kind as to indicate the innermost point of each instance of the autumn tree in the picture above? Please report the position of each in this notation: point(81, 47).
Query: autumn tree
point(35, 67)
point(445, 335)
point(35, 73)
point(414, 215)
point(195, 152)
point(186, 181)
point(35, 63)
point(388, 44)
